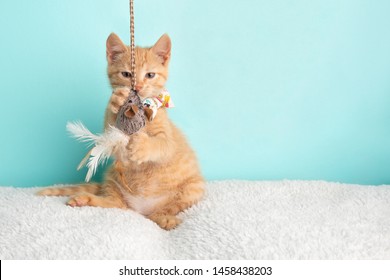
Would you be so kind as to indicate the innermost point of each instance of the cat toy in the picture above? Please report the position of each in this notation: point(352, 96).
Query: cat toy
point(130, 119)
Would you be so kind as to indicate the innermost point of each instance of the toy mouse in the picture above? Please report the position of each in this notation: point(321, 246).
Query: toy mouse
point(131, 117)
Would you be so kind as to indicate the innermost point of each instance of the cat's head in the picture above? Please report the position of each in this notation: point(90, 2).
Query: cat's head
point(151, 65)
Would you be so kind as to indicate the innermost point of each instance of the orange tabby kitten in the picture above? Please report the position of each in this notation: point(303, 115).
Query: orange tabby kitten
point(159, 174)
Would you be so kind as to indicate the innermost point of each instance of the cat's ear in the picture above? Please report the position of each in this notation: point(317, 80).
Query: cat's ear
point(114, 47)
point(162, 48)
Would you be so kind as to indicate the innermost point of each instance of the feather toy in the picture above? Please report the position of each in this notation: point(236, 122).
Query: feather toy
point(105, 145)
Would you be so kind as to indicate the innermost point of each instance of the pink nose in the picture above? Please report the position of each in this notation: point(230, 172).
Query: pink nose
point(138, 87)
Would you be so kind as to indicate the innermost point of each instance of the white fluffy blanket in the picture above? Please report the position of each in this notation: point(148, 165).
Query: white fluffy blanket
point(236, 220)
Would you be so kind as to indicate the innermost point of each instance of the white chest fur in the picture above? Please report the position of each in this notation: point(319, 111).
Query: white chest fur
point(144, 205)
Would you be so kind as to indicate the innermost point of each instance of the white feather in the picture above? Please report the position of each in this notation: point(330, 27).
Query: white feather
point(80, 132)
point(84, 160)
point(105, 145)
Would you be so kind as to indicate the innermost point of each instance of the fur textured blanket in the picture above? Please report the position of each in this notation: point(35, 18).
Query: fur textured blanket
point(236, 220)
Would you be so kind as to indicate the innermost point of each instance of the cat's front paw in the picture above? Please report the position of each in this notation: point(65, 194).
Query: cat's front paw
point(139, 148)
point(118, 98)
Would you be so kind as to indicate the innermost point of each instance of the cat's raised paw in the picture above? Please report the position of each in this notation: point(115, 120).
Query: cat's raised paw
point(118, 98)
point(139, 148)
point(79, 200)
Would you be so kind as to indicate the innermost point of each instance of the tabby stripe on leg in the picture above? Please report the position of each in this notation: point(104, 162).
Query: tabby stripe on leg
point(66, 191)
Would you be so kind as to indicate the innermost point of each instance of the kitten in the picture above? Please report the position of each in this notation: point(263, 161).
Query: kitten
point(159, 175)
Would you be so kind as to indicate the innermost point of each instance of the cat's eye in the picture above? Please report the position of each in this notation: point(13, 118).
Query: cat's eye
point(126, 74)
point(150, 75)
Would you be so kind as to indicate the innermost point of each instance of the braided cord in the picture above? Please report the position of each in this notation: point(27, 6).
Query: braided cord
point(132, 46)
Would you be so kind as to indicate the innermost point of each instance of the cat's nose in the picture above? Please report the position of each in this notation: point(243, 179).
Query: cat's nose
point(138, 87)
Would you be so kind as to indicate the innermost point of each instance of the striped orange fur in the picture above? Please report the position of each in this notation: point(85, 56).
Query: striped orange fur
point(67, 191)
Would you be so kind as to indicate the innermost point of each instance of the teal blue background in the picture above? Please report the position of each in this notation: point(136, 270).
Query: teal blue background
point(265, 90)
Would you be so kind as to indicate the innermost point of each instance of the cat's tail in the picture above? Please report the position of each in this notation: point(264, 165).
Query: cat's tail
point(67, 191)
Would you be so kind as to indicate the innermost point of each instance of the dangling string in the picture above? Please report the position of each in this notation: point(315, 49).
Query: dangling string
point(132, 46)
point(118, 164)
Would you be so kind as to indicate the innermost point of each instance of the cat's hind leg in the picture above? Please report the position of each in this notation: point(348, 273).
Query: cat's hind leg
point(165, 221)
point(190, 193)
point(108, 197)
point(88, 199)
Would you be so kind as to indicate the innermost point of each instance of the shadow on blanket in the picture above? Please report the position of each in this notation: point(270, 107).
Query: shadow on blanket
point(236, 220)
